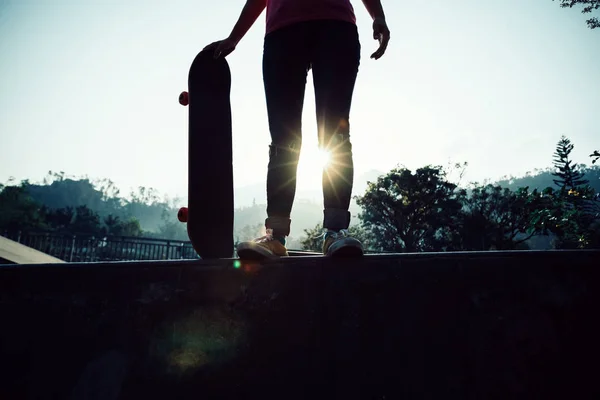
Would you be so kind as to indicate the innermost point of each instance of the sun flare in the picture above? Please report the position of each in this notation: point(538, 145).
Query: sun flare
point(323, 158)
point(310, 170)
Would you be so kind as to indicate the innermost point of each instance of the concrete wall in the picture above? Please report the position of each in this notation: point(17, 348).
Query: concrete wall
point(452, 326)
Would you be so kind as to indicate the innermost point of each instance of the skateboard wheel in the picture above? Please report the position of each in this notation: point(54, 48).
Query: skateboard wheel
point(182, 215)
point(184, 99)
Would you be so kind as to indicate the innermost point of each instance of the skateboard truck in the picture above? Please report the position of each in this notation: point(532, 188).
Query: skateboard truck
point(184, 98)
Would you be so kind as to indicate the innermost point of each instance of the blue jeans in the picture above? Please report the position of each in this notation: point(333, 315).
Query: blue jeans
point(332, 50)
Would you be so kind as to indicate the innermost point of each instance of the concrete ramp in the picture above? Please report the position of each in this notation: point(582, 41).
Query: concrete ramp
point(12, 252)
point(493, 325)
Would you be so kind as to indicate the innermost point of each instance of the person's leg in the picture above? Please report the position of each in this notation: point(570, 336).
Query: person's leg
point(335, 67)
point(285, 67)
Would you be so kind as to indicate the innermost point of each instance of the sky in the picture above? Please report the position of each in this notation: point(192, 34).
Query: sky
point(91, 87)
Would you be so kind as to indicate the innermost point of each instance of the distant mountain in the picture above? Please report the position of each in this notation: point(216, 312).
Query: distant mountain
point(541, 179)
point(256, 193)
point(157, 215)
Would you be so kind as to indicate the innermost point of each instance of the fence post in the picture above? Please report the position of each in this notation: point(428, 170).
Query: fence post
point(72, 249)
point(168, 250)
point(122, 248)
point(88, 253)
point(93, 249)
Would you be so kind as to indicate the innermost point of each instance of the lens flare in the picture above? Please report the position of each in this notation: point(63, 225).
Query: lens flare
point(324, 158)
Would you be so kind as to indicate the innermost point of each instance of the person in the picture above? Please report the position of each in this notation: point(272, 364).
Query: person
point(302, 35)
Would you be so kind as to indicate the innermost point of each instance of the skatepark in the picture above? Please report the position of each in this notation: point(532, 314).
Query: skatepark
point(102, 298)
point(452, 325)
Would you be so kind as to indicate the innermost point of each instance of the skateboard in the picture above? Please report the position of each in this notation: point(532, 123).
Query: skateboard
point(209, 214)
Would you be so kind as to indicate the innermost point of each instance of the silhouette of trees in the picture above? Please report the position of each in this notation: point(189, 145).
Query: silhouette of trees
point(498, 218)
point(59, 220)
point(116, 227)
point(170, 228)
point(402, 211)
point(572, 211)
point(407, 212)
point(568, 175)
point(61, 205)
point(589, 6)
point(250, 231)
point(424, 212)
point(19, 210)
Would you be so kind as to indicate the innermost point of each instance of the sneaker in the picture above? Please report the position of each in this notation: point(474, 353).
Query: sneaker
point(263, 247)
point(341, 244)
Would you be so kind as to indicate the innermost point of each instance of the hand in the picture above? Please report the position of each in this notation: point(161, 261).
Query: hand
point(222, 48)
point(382, 34)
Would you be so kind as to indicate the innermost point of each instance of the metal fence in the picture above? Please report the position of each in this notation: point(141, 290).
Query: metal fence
point(87, 248)
point(82, 248)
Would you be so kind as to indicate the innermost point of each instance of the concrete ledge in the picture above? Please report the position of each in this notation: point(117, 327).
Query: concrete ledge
point(14, 252)
point(446, 325)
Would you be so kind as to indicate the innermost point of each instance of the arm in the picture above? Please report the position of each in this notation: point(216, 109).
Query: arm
point(251, 11)
point(374, 8)
point(380, 28)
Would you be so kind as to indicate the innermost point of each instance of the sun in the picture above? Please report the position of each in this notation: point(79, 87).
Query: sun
point(313, 161)
point(323, 158)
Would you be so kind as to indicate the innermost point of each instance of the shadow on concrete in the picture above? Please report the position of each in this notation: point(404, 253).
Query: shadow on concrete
point(488, 325)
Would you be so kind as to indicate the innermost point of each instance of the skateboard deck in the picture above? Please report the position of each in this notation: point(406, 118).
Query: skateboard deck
point(209, 214)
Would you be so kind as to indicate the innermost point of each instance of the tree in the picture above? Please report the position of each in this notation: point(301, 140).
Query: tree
point(570, 177)
point(86, 222)
point(115, 227)
point(147, 206)
point(249, 232)
point(571, 216)
point(412, 212)
point(588, 7)
point(171, 228)
point(499, 218)
point(19, 211)
point(59, 191)
point(572, 212)
point(131, 227)
point(145, 195)
point(60, 220)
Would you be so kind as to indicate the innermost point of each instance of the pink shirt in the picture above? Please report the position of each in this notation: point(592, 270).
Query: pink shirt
point(285, 12)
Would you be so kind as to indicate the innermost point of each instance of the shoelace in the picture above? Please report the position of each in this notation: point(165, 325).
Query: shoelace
point(267, 238)
point(335, 235)
point(341, 233)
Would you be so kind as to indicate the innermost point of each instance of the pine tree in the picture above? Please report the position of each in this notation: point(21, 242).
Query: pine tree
point(569, 175)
